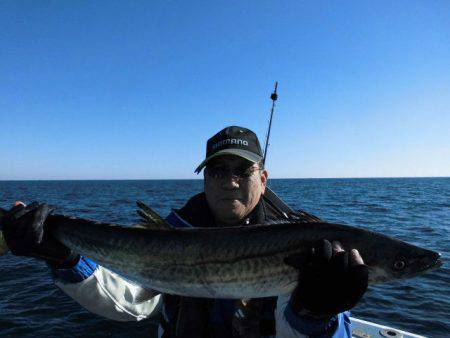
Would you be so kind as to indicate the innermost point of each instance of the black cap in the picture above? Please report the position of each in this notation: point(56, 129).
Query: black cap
point(233, 140)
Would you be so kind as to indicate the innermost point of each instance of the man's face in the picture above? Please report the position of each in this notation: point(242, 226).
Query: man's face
point(232, 197)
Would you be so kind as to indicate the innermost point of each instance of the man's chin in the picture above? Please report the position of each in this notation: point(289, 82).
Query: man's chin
point(233, 200)
point(232, 205)
point(232, 209)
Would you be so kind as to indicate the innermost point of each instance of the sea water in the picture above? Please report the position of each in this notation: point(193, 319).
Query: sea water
point(416, 210)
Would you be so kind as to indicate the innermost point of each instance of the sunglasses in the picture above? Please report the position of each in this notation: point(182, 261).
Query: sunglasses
point(238, 173)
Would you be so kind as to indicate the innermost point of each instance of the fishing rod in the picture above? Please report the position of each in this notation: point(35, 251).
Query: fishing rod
point(273, 97)
point(273, 198)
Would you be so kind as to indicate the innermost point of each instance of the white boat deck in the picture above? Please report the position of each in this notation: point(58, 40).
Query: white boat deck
point(364, 329)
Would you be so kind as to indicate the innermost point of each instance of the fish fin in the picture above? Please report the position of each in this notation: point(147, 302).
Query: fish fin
point(144, 216)
point(151, 219)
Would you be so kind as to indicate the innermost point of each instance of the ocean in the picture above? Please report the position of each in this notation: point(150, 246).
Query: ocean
point(416, 210)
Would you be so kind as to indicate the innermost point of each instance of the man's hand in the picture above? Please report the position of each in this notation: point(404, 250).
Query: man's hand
point(26, 235)
point(331, 280)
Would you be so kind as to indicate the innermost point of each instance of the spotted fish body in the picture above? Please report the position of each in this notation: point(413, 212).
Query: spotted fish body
point(231, 262)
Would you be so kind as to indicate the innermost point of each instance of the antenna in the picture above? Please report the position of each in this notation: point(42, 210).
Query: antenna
point(273, 97)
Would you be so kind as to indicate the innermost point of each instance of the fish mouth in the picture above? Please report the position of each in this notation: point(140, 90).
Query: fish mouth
point(438, 262)
point(435, 263)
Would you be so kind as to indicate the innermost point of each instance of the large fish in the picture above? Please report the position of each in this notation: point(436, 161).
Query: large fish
point(231, 262)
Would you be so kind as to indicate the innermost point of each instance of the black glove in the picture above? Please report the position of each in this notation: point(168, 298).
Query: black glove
point(328, 283)
point(25, 234)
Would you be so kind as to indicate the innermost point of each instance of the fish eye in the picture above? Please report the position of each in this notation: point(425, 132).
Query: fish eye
point(399, 265)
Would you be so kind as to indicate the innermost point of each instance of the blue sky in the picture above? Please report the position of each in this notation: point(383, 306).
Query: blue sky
point(132, 89)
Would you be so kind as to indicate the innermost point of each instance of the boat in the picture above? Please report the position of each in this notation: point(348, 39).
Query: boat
point(365, 329)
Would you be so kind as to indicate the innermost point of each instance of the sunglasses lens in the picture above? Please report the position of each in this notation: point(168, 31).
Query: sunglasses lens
point(239, 173)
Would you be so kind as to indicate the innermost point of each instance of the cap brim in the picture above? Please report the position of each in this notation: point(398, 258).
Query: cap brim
point(245, 154)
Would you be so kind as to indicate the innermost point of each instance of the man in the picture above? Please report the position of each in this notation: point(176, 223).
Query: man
point(331, 280)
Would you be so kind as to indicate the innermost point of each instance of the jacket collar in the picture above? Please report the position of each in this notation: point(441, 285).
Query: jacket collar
point(197, 213)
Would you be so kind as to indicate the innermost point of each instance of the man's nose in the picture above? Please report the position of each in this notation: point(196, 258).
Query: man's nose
point(230, 182)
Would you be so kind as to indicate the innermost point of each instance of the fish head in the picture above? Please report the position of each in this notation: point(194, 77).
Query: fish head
point(401, 260)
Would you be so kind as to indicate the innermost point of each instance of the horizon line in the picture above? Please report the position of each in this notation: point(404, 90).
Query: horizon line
point(199, 179)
